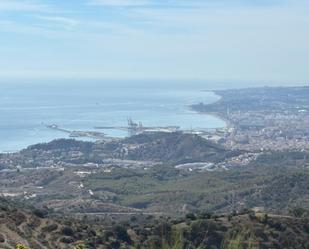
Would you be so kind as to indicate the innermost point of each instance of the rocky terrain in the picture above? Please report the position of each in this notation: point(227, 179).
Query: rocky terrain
point(40, 229)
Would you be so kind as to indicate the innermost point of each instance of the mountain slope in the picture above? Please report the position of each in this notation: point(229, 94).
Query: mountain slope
point(37, 229)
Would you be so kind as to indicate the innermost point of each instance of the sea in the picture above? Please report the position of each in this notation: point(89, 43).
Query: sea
point(27, 108)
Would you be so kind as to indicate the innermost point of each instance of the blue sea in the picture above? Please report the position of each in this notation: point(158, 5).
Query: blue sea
point(26, 108)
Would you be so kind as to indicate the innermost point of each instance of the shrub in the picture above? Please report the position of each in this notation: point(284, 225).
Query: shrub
point(2, 238)
point(50, 228)
point(191, 216)
point(204, 215)
point(67, 231)
point(121, 234)
point(19, 218)
point(66, 240)
point(40, 213)
point(298, 212)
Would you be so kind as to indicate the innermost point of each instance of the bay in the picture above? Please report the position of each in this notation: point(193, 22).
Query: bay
point(26, 108)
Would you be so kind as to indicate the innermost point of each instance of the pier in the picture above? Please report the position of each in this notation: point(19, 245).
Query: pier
point(76, 134)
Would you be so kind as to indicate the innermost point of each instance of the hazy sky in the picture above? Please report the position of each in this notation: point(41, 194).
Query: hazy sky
point(259, 40)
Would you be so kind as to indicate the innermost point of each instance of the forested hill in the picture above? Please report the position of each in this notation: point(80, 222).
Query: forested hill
point(169, 148)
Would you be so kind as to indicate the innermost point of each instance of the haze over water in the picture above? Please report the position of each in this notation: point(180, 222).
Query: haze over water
point(26, 109)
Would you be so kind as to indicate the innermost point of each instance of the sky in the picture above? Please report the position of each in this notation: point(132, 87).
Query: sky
point(245, 40)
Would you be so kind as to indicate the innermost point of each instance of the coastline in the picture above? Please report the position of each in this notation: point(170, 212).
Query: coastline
point(220, 125)
point(227, 122)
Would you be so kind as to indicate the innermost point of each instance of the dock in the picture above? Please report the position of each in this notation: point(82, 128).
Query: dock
point(76, 134)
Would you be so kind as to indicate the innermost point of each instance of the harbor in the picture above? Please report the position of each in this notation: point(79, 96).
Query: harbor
point(79, 134)
point(132, 128)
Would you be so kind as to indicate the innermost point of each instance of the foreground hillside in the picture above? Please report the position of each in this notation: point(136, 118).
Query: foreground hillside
point(39, 229)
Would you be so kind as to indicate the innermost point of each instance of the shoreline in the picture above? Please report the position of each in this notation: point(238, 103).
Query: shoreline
point(227, 122)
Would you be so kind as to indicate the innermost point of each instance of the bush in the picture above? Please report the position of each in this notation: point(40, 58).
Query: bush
point(298, 212)
point(264, 219)
point(2, 238)
point(204, 215)
point(114, 245)
point(67, 231)
point(19, 218)
point(40, 213)
point(121, 234)
point(191, 216)
point(66, 240)
point(50, 228)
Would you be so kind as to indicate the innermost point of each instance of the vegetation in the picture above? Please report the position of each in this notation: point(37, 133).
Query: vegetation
point(21, 246)
point(171, 148)
point(248, 230)
point(171, 190)
point(276, 181)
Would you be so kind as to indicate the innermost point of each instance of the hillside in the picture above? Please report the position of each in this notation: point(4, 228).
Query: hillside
point(39, 229)
point(169, 148)
point(174, 147)
point(69, 180)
